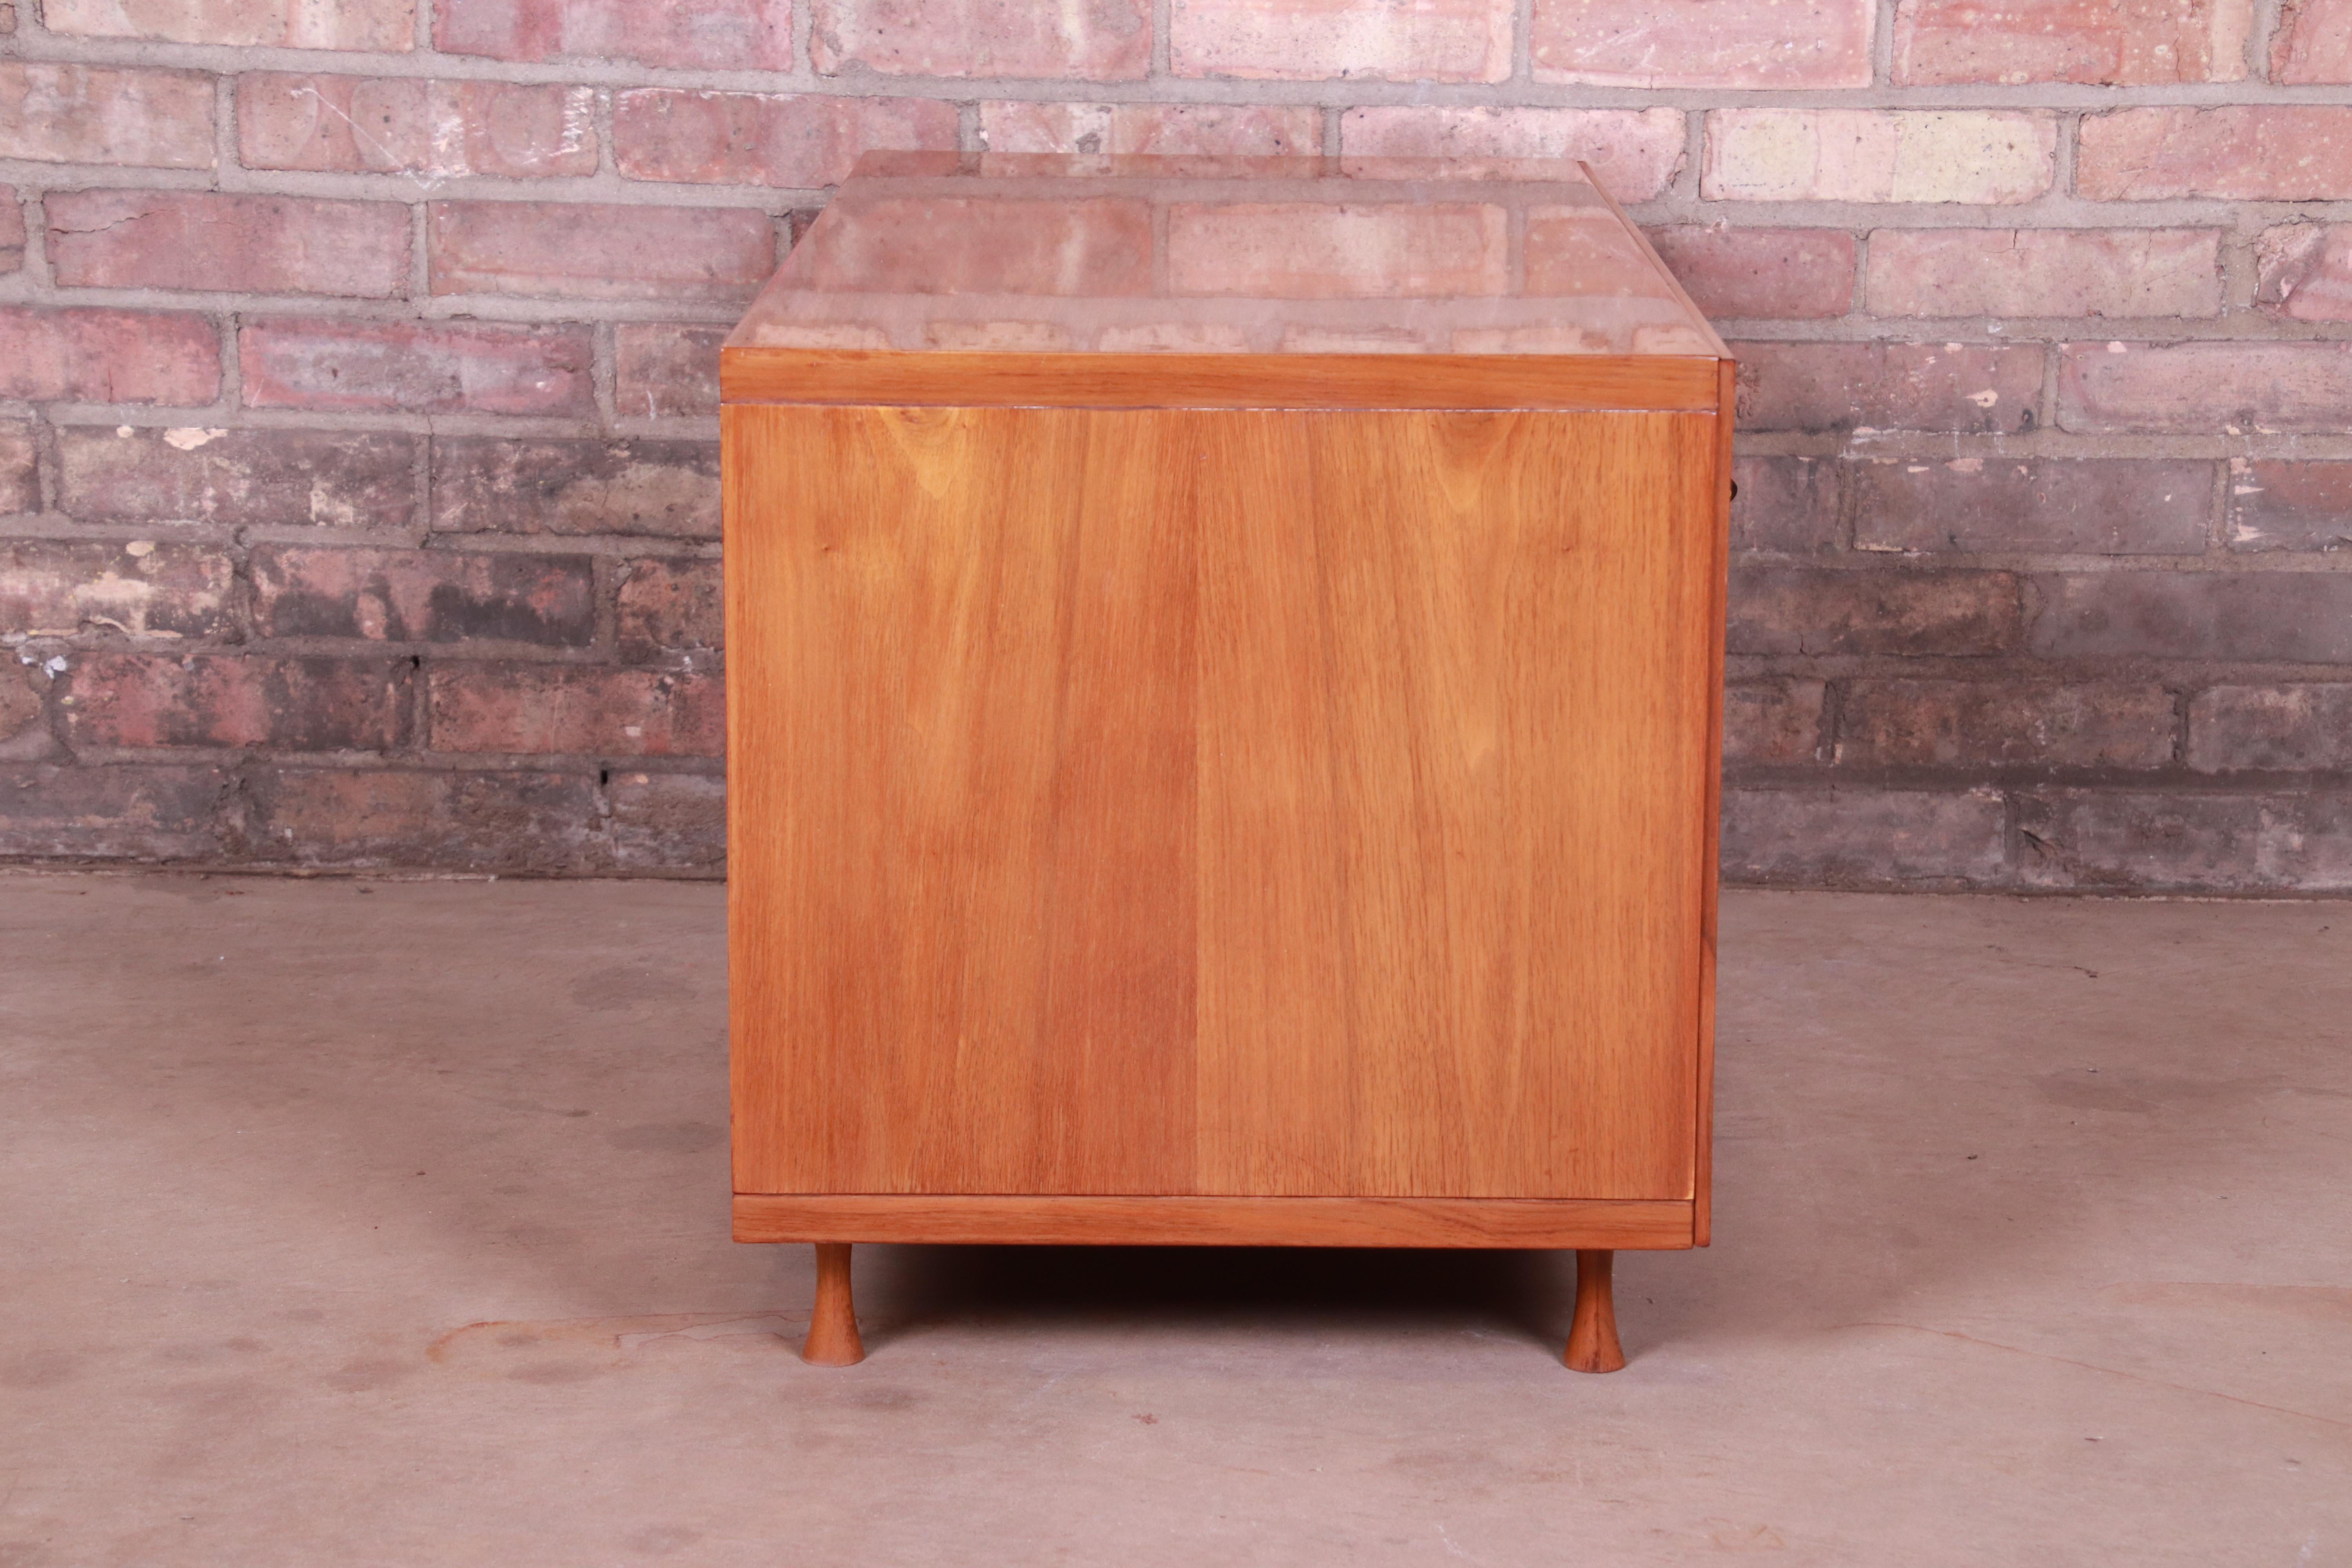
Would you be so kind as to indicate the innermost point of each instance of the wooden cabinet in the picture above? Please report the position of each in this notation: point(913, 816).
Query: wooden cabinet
point(1223, 687)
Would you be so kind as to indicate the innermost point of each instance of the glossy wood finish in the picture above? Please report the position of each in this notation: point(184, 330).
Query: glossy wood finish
point(1217, 1222)
point(1592, 1333)
point(832, 1339)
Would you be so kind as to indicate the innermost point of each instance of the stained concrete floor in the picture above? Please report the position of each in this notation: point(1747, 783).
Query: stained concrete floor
point(384, 1222)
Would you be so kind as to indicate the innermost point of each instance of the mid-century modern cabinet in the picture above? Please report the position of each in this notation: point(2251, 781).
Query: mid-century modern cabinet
point(1223, 686)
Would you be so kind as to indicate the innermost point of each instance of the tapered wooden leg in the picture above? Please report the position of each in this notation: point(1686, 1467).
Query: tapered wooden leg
point(1592, 1334)
point(833, 1327)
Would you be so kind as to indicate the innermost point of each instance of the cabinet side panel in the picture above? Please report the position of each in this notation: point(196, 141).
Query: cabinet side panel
point(960, 677)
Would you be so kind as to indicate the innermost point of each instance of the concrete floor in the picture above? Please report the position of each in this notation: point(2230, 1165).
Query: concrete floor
point(348, 1223)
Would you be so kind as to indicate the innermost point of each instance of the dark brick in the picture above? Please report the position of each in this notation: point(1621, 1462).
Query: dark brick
point(2290, 617)
point(1955, 723)
point(532, 822)
point(1807, 610)
point(418, 595)
point(115, 813)
point(2299, 728)
point(575, 487)
point(2200, 388)
point(23, 713)
point(574, 710)
point(1887, 386)
point(665, 369)
point(54, 589)
point(209, 239)
point(333, 478)
point(1859, 838)
point(1787, 505)
point(108, 356)
point(225, 699)
point(1771, 720)
point(20, 489)
point(2135, 507)
point(671, 605)
point(2145, 841)
point(663, 822)
point(2290, 506)
point(1780, 274)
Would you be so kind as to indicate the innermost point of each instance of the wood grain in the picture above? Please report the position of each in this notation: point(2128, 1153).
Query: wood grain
point(1703, 1144)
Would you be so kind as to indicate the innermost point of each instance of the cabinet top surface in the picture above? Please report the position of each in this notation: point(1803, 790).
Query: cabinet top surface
point(1018, 253)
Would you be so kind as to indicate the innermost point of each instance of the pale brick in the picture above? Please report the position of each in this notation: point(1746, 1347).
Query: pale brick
point(2148, 42)
point(20, 489)
point(333, 479)
point(1983, 156)
point(2305, 271)
point(423, 596)
point(55, 114)
point(1784, 274)
point(11, 230)
point(1104, 40)
point(2299, 728)
point(2288, 505)
point(2004, 723)
point(1864, 837)
point(386, 26)
point(1235, 129)
point(665, 369)
point(114, 813)
point(582, 251)
point(108, 356)
point(532, 822)
point(761, 139)
point(1704, 43)
point(1769, 722)
point(1302, 251)
point(1780, 608)
point(2140, 506)
point(572, 710)
point(418, 367)
point(2045, 272)
point(1878, 386)
point(2283, 152)
point(236, 700)
point(1308, 40)
point(58, 589)
point(1091, 249)
point(1785, 505)
point(501, 485)
point(353, 124)
point(2292, 618)
point(203, 239)
point(2197, 388)
point(2313, 42)
point(1634, 152)
point(723, 34)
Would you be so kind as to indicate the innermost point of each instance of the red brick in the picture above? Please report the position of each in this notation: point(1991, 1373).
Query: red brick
point(2283, 153)
point(1103, 41)
point(1231, 130)
point(54, 113)
point(1704, 43)
point(1095, 248)
point(2313, 42)
point(723, 35)
point(2291, 617)
point(2305, 271)
point(1983, 156)
point(20, 489)
point(671, 607)
point(668, 822)
point(108, 356)
point(1308, 40)
point(2004, 723)
point(578, 251)
point(529, 822)
point(1785, 505)
point(2045, 272)
point(416, 367)
point(1787, 609)
point(1771, 722)
point(503, 485)
point(2138, 506)
point(117, 813)
point(665, 369)
point(1634, 152)
point(2196, 388)
point(2290, 505)
point(386, 26)
point(1305, 250)
point(2147, 841)
point(2072, 40)
point(766, 139)
point(24, 713)
point(11, 230)
point(423, 596)
point(574, 710)
point(1900, 387)
point(335, 479)
point(356, 125)
point(228, 700)
point(203, 240)
point(2300, 728)
point(1787, 274)
point(50, 588)
point(1864, 837)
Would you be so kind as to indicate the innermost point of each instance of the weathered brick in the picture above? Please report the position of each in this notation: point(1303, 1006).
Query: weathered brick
point(11, 230)
point(2196, 388)
point(2290, 505)
point(203, 239)
point(2146, 841)
point(1305, 40)
point(336, 479)
point(2305, 271)
point(2140, 506)
point(1783, 274)
point(723, 34)
point(1104, 41)
point(118, 813)
point(108, 356)
point(1785, 505)
point(386, 26)
point(533, 822)
point(1237, 129)
point(1785, 609)
point(2294, 617)
point(355, 124)
point(229, 700)
point(2072, 40)
point(1973, 724)
point(1899, 387)
point(423, 595)
point(23, 713)
point(20, 489)
point(50, 588)
point(1768, 721)
point(671, 607)
point(2313, 42)
point(2299, 728)
point(1864, 837)
point(665, 369)
point(550, 710)
point(1094, 249)
point(668, 821)
point(2045, 272)
point(1303, 250)
point(1634, 152)
point(2283, 153)
point(1704, 43)
point(416, 367)
point(1985, 156)
point(766, 139)
point(506, 486)
point(56, 113)
point(578, 251)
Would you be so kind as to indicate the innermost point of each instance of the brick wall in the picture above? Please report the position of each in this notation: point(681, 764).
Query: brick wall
point(357, 496)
